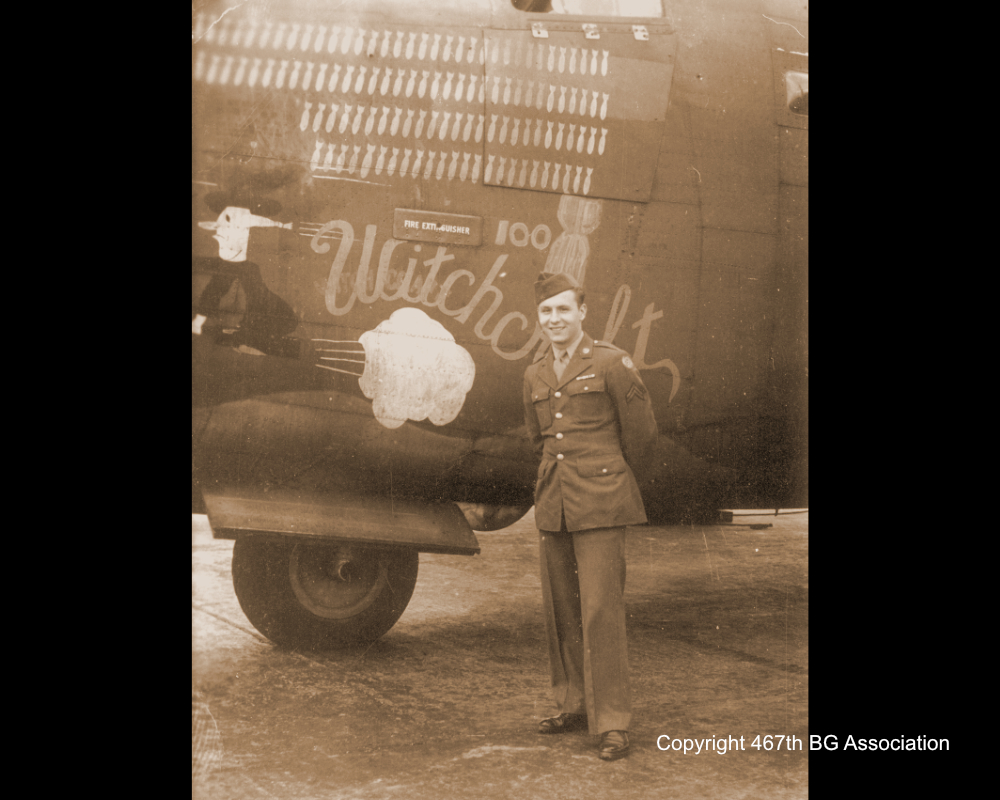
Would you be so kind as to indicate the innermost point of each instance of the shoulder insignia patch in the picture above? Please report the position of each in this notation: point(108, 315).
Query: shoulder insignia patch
point(628, 362)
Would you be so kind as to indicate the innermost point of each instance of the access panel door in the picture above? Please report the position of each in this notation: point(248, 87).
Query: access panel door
point(576, 115)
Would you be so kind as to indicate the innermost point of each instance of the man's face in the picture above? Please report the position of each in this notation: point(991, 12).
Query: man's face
point(561, 318)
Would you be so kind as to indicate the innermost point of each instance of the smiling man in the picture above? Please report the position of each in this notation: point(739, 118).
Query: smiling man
point(591, 422)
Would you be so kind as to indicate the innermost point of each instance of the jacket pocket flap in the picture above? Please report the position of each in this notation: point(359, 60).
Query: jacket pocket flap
point(585, 386)
point(596, 466)
point(540, 393)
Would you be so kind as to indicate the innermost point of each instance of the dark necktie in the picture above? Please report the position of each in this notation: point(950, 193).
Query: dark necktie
point(561, 362)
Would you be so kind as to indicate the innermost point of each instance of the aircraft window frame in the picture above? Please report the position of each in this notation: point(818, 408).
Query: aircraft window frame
point(783, 64)
point(562, 8)
point(796, 86)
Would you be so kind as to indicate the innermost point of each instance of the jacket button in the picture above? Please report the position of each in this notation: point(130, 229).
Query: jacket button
point(560, 457)
point(559, 436)
point(559, 415)
point(604, 470)
point(558, 394)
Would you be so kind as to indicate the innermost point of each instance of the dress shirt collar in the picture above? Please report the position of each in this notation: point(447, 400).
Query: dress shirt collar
point(557, 352)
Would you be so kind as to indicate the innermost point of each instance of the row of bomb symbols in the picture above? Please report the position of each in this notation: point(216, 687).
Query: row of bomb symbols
point(561, 104)
point(394, 125)
point(442, 125)
point(220, 69)
point(536, 56)
point(573, 139)
point(507, 173)
point(537, 139)
point(341, 162)
point(506, 169)
point(286, 36)
point(292, 37)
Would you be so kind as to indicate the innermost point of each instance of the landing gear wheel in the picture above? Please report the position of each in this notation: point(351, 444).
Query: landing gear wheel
point(316, 596)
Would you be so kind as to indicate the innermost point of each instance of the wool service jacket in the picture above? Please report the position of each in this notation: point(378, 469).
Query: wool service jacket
point(590, 428)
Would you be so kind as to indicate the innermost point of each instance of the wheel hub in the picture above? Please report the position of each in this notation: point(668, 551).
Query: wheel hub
point(336, 582)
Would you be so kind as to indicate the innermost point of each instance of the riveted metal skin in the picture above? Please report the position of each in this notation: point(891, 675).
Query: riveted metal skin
point(668, 175)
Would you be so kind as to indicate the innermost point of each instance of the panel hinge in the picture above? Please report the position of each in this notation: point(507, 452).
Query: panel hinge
point(640, 33)
point(590, 31)
point(538, 30)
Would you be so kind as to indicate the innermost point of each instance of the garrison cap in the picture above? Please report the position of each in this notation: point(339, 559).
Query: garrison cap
point(549, 285)
point(241, 198)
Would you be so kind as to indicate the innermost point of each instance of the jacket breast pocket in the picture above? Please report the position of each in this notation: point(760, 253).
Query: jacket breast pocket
point(590, 399)
point(600, 466)
point(540, 401)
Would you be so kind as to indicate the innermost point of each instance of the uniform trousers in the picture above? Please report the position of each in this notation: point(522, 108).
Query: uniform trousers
point(583, 586)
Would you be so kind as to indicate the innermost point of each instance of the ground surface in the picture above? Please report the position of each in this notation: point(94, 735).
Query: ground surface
point(445, 704)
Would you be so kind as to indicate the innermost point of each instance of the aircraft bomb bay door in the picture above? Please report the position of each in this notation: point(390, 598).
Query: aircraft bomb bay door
point(577, 108)
point(369, 101)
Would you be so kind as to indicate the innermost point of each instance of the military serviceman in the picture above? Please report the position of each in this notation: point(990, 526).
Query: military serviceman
point(591, 422)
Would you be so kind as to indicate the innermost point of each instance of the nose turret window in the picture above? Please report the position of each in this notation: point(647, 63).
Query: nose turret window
point(593, 8)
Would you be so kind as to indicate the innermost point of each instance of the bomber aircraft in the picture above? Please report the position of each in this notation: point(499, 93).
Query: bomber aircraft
point(376, 186)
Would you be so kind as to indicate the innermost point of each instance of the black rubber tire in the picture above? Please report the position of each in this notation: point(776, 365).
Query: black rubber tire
point(277, 580)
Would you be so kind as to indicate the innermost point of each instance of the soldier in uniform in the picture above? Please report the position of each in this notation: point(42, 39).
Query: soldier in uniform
point(590, 419)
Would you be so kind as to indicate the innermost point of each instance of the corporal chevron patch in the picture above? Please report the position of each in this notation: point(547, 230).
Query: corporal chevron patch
point(635, 390)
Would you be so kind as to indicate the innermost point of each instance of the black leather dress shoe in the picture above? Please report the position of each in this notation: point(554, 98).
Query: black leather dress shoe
point(563, 723)
point(614, 744)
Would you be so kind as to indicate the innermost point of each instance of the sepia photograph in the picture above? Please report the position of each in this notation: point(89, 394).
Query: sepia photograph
point(500, 401)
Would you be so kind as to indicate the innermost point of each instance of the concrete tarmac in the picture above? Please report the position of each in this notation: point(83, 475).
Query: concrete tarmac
point(445, 705)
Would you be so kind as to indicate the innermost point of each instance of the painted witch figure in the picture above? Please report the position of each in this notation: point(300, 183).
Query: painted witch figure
point(268, 319)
